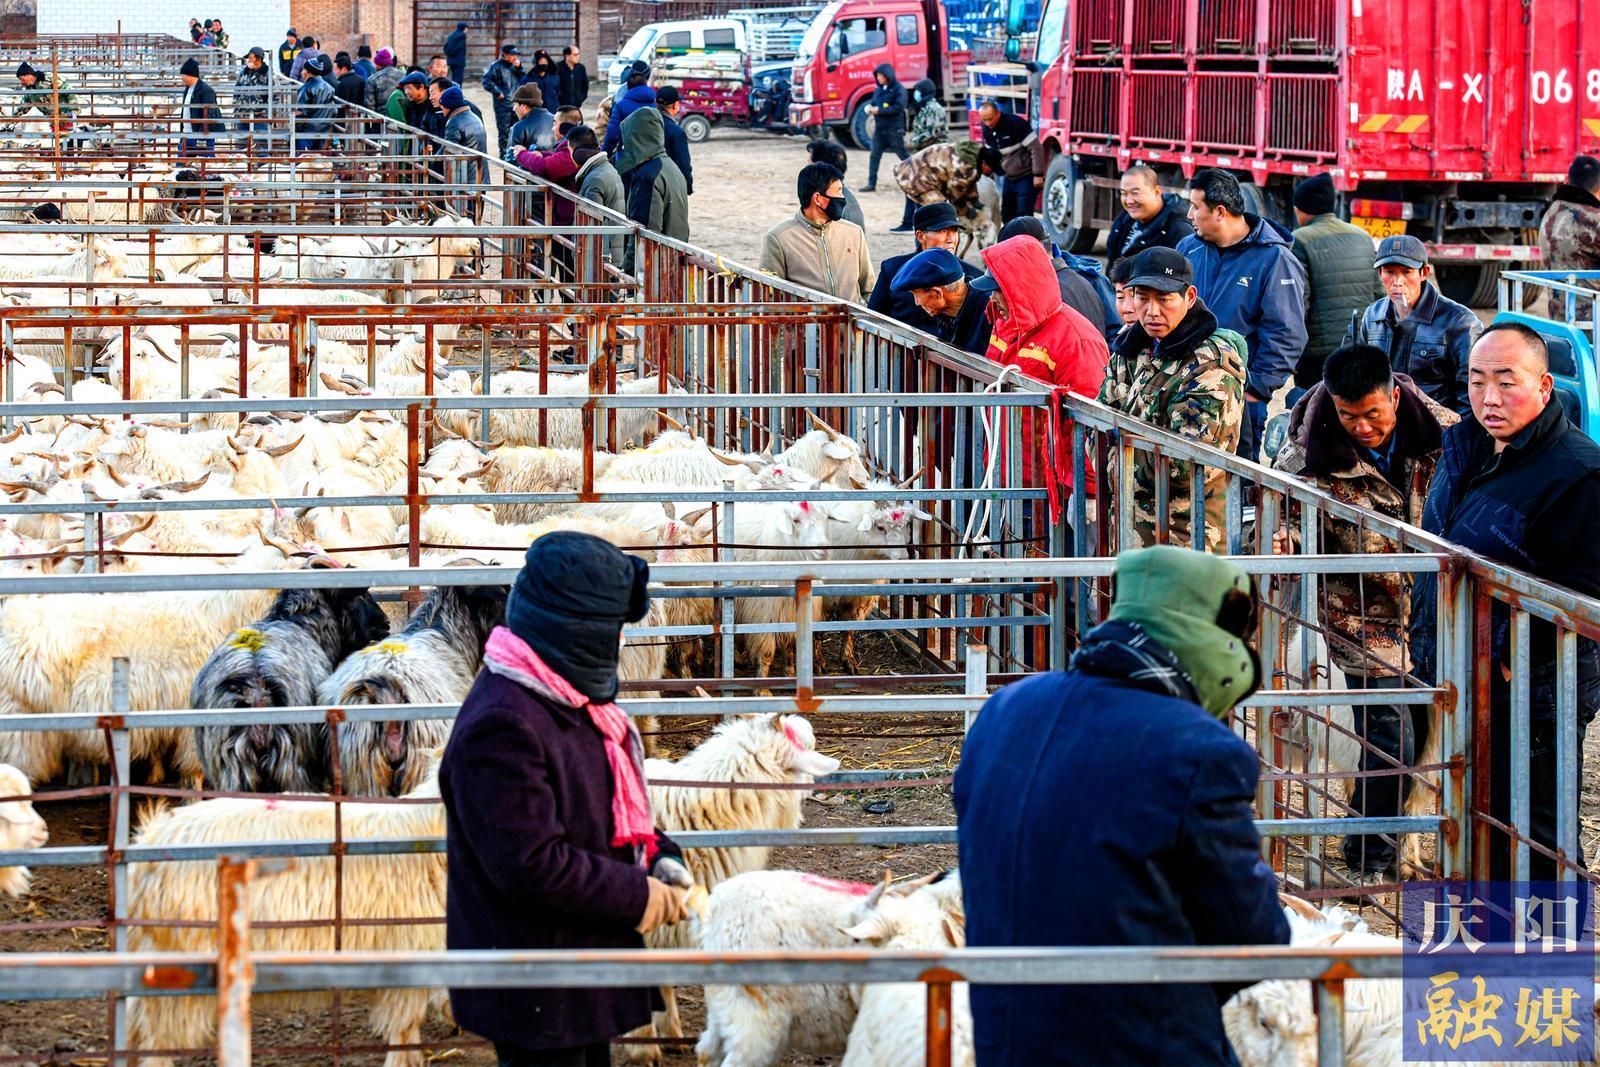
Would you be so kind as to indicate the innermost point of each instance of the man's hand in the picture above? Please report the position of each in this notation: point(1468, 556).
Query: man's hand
point(666, 906)
point(1038, 181)
point(1248, 395)
point(1280, 542)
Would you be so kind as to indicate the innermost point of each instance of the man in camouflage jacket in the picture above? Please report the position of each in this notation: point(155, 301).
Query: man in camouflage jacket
point(1176, 369)
point(1569, 236)
point(943, 171)
point(1369, 437)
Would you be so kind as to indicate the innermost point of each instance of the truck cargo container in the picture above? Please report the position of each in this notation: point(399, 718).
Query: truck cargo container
point(1451, 121)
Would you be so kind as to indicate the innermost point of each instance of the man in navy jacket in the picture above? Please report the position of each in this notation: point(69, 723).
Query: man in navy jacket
point(1109, 805)
point(455, 52)
point(1247, 274)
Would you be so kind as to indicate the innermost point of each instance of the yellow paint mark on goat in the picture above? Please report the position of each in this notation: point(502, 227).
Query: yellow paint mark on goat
point(248, 639)
point(392, 648)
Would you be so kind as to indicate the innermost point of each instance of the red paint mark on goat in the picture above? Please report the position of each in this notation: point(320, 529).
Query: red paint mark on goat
point(834, 885)
point(794, 739)
point(271, 805)
point(805, 506)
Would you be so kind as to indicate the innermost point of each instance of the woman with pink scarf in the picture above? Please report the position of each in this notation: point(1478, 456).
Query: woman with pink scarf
point(551, 842)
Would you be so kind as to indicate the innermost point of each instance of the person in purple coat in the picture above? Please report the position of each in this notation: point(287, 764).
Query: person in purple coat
point(551, 842)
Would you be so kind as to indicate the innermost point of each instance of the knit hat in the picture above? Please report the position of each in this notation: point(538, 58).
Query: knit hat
point(384, 58)
point(569, 603)
point(23, 69)
point(190, 68)
point(1314, 196)
point(1199, 607)
point(451, 98)
point(257, 52)
point(529, 94)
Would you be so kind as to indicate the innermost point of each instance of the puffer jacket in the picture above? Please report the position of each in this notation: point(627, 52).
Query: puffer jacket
point(622, 106)
point(929, 123)
point(1257, 289)
point(1043, 338)
point(1430, 346)
point(658, 197)
point(1569, 236)
point(250, 92)
point(1191, 382)
point(383, 82)
point(1128, 238)
point(1340, 280)
point(1370, 611)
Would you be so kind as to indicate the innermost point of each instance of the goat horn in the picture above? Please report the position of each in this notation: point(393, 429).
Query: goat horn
point(111, 472)
point(674, 423)
point(339, 419)
point(723, 457)
point(909, 482)
point(7, 438)
point(481, 472)
point(287, 549)
point(338, 385)
point(282, 450)
point(37, 487)
point(187, 487)
point(694, 517)
point(233, 443)
point(823, 426)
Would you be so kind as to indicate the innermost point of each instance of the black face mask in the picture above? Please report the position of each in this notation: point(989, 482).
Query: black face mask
point(835, 208)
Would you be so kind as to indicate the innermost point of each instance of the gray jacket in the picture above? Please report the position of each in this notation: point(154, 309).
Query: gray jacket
point(250, 92)
point(1430, 345)
point(383, 82)
point(1339, 281)
point(599, 181)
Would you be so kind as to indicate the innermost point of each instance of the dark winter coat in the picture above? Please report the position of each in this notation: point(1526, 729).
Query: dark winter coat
point(527, 797)
point(888, 102)
point(1021, 154)
point(622, 106)
point(536, 129)
point(500, 81)
point(352, 89)
point(250, 92)
point(314, 108)
point(549, 84)
point(298, 68)
point(1534, 506)
point(1257, 289)
point(455, 48)
point(1431, 345)
point(1129, 238)
point(574, 83)
point(365, 67)
point(1083, 296)
point(1094, 812)
point(286, 53)
point(1340, 280)
point(903, 308)
point(678, 149)
point(202, 118)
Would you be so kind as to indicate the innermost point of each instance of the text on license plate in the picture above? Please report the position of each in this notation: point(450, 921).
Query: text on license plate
point(1380, 227)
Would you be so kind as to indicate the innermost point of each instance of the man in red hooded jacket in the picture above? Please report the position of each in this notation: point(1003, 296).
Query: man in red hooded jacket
point(1040, 335)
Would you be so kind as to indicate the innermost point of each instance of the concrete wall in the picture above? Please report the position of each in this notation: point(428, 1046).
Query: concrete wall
point(260, 22)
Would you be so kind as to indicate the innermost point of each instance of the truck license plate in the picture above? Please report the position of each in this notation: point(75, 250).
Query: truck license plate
point(1380, 228)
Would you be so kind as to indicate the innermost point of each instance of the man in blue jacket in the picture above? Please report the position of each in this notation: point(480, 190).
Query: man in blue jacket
point(455, 52)
point(1520, 484)
point(500, 81)
point(636, 93)
point(933, 225)
point(1110, 805)
point(888, 110)
point(1246, 272)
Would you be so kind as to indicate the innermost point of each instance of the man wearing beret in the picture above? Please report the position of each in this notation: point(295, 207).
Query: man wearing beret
point(550, 839)
point(940, 285)
point(933, 226)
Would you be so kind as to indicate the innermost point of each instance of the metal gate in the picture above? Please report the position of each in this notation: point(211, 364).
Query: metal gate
point(528, 24)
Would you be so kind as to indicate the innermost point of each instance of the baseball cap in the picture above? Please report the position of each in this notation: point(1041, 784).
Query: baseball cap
point(509, 50)
point(1166, 270)
point(1403, 249)
point(936, 216)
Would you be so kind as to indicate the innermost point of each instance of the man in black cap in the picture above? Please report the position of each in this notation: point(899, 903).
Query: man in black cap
point(670, 103)
point(550, 837)
point(1427, 335)
point(455, 52)
point(1338, 261)
point(199, 115)
point(287, 51)
point(933, 225)
point(500, 81)
point(940, 285)
point(250, 90)
point(637, 92)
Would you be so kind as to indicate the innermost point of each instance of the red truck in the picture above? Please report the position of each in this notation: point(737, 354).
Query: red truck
point(844, 45)
point(1451, 121)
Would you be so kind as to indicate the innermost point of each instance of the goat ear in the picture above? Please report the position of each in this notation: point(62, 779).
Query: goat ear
point(865, 524)
point(814, 763)
point(873, 929)
point(837, 450)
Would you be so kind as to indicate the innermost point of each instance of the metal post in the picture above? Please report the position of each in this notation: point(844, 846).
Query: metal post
point(939, 1022)
point(725, 604)
point(91, 540)
point(804, 648)
point(977, 684)
point(1330, 1023)
point(235, 973)
point(121, 834)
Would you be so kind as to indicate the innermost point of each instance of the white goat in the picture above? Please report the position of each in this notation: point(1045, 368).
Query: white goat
point(20, 828)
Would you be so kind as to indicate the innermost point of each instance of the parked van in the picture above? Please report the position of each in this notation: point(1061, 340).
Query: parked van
point(676, 39)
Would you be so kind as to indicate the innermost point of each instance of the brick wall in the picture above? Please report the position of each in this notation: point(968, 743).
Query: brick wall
point(260, 22)
point(344, 25)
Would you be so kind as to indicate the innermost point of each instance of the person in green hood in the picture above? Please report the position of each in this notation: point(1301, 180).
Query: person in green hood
point(658, 197)
point(1110, 804)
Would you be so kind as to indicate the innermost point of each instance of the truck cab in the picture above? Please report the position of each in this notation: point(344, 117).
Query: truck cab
point(675, 39)
point(833, 72)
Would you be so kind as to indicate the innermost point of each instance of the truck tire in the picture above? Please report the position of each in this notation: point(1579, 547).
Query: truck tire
point(1060, 188)
point(1266, 202)
point(696, 128)
point(857, 133)
point(1476, 285)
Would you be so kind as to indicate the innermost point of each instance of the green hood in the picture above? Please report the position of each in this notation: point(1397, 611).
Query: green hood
point(643, 139)
point(1175, 594)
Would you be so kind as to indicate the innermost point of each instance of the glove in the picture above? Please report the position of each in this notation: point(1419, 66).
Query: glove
point(666, 906)
point(670, 869)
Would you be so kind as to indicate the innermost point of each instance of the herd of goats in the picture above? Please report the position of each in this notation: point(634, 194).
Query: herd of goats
point(251, 649)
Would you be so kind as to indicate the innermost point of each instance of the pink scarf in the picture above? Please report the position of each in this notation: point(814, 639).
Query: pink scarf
point(509, 656)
